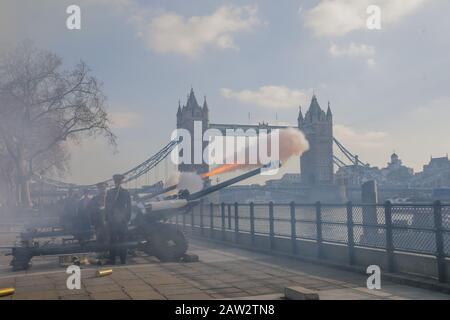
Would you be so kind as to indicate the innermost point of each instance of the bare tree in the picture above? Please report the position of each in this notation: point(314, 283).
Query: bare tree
point(42, 107)
point(6, 177)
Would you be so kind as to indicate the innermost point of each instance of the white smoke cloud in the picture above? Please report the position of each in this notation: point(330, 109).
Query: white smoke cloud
point(185, 180)
point(292, 143)
point(281, 145)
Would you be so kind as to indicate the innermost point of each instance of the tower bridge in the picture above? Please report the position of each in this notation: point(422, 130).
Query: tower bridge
point(317, 164)
point(326, 156)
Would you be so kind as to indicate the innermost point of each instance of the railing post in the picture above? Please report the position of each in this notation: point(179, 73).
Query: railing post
point(440, 254)
point(293, 229)
point(201, 217)
point(271, 226)
point(389, 237)
point(192, 220)
point(176, 220)
point(350, 236)
point(184, 221)
point(236, 222)
point(319, 229)
point(222, 212)
point(229, 216)
point(252, 223)
point(211, 220)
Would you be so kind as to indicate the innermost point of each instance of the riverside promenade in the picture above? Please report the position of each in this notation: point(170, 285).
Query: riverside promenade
point(223, 272)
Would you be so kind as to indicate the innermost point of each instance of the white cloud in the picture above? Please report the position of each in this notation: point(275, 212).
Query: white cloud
point(358, 140)
point(354, 50)
point(173, 33)
point(269, 96)
point(123, 120)
point(337, 18)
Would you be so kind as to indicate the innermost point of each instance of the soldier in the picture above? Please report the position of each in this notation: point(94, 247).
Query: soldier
point(97, 212)
point(118, 214)
point(82, 220)
point(69, 213)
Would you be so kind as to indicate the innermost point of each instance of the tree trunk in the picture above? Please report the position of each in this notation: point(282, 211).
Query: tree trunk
point(23, 197)
point(7, 195)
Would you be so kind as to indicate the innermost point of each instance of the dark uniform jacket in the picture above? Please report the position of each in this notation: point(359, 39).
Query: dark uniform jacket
point(96, 210)
point(118, 206)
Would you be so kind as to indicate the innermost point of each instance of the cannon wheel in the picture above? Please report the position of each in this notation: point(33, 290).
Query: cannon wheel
point(168, 243)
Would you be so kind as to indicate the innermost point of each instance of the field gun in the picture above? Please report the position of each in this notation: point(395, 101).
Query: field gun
point(149, 230)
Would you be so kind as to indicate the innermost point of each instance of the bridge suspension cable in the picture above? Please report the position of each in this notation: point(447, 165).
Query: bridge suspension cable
point(338, 162)
point(130, 175)
point(352, 158)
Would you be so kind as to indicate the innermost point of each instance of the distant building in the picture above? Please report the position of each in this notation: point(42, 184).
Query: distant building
point(396, 173)
point(436, 165)
point(435, 174)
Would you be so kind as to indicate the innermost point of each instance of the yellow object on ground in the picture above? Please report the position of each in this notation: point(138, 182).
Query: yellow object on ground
point(105, 272)
point(7, 292)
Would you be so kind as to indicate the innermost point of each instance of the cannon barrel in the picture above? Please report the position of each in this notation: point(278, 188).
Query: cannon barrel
point(204, 192)
point(157, 193)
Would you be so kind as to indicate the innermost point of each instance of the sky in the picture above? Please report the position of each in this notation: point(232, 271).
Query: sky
point(254, 61)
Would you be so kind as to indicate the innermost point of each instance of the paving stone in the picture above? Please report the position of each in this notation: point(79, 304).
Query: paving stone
point(261, 290)
point(197, 296)
point(179, 291)
point(75, 297)
point(137, 287)
point(105, 288)
point(223, 290)
point(99, 281)
point(34, 288)
point(73, 292)
point(7, 283)
point(234, 295)
point(131, 282)
point(374, 292)
point(213, 284)
point(397, 298)
point(163, 280)
point(247, 284)
point(145, 295)
point(343, 294)
point(116, 295)
point(40, 295)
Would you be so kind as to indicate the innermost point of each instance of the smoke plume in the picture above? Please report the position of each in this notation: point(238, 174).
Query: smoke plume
point(185, 180)
point(292, 142)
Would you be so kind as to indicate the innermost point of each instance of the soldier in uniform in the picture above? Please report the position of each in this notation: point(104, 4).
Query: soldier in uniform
point(69, 213)
point(96, 209)
point(118, 214)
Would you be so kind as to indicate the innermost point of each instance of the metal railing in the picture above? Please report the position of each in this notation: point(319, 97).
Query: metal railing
point(409, 228)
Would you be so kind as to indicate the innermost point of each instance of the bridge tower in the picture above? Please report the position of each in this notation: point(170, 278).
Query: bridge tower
point(188, 117)
point(316, 165)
